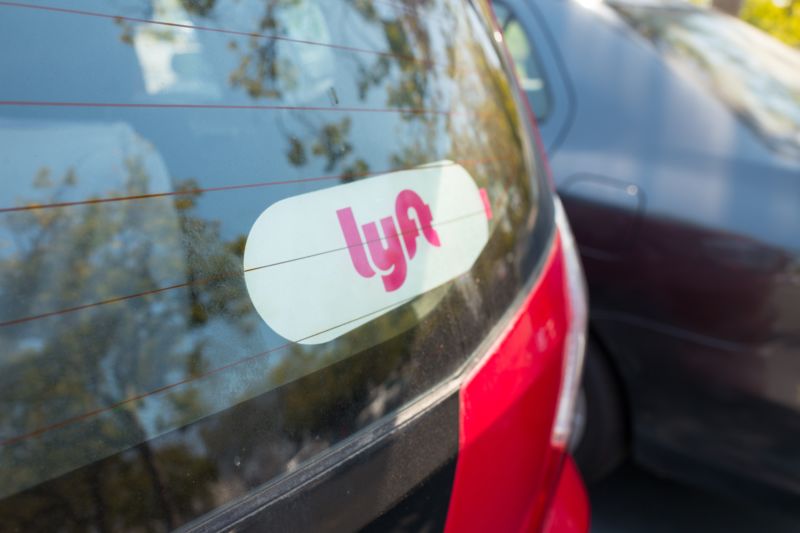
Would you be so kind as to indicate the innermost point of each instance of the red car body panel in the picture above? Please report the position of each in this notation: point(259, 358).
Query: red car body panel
point(507, 468)
point(569, 512)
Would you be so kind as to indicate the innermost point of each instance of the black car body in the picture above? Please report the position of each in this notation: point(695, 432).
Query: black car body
point(674, 138)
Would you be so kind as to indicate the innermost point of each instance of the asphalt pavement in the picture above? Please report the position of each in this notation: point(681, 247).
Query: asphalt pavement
point(634, 501)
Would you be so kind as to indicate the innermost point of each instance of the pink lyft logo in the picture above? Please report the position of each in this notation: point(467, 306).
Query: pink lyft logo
point(389, 257)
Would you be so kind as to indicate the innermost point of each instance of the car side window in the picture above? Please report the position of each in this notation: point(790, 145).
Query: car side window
point(529, 69)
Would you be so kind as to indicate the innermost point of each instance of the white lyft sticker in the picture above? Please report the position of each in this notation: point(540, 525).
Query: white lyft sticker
point(323, 263)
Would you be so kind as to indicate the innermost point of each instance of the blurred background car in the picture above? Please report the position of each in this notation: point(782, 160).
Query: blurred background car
point(674, 138)
point(152, 153)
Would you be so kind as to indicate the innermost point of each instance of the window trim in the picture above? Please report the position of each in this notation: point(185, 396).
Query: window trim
point(537, 57)
point(564, 99)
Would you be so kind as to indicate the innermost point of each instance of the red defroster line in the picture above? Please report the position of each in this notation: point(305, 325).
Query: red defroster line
point(101, 410)
point(117, 299)
point(214, 30)
point(187, 192)
point(135, 105)
point(201, 281)
point(224, 188)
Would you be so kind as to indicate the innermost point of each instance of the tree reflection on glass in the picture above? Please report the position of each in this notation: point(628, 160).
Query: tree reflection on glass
point(140, 389)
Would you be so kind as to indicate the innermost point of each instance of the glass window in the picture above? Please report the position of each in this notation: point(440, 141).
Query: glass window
point(529, 72)
point(752, 73)
point(144, 380)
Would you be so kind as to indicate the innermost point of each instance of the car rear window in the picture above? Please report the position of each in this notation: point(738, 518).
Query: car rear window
point(150, 152)
point(755, 75)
